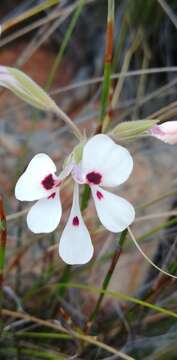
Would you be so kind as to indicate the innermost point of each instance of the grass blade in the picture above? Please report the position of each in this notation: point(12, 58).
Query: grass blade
point(64, 44)
point(29, 13)
point(3, 238)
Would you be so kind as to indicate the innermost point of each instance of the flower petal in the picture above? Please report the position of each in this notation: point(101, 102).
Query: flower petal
point(169, 127)
point(166, 132)
point(29, 186)
point(102, 156)
point(45, 214)
point(114, 212)
point(75, 245)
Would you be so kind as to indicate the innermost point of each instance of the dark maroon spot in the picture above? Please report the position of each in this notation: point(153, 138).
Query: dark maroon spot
point(52, 196)
point(75, 221)
point(94, 178)
point(48, 182)
point(99, 195)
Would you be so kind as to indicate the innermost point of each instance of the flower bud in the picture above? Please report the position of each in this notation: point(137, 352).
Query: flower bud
point(132, 129)
point(25, 88)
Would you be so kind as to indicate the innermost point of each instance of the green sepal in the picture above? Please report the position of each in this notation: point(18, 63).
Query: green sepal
point(132, 129)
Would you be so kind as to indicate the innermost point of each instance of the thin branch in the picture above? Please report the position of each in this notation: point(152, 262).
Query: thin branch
point(27, 14)
point(147, 257)
point(99, 79)
point(168, 11)
point(58, 327)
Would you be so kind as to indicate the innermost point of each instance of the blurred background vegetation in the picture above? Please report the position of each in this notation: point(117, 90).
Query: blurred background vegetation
point(50, 310)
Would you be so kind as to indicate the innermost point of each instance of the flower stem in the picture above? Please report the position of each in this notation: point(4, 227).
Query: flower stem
point(85, 197)
point(108, 61)
point(109, 274)
point(69, 122)
point(3, 238)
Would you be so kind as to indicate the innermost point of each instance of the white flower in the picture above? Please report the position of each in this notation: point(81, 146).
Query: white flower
point(103, 163)
point(39, 182)
point(107, 164)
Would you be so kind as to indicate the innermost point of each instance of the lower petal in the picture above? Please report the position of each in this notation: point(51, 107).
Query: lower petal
point(45, 214)
point(75, 245)
point(114, 212)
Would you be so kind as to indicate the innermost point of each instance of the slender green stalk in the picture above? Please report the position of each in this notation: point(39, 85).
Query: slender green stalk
point(109, 274)
point(66, 277)
point(39, 335)
point(123, 297)
point(36, 354)
point(64, 44)
point(3, 238)
point(85, 197)
point(107, 61)
point(157, 228)
point(76, 131)
point(120, 42)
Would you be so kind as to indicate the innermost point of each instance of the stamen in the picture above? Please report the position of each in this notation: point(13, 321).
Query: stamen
point(99, 195)
point(94, 178)
point(75, 221)
point(48, 182)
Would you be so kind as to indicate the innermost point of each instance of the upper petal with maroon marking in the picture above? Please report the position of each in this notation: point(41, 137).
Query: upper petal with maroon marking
point(105, 163)
point(38, 180)
point(75, 245)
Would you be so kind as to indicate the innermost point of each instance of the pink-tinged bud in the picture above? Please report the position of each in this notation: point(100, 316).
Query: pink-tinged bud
point(166, 132)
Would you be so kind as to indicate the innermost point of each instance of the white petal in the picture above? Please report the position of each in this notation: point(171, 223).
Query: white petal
point(45, 214)
point(29, 187)
point(114, 212)
point(75, 245)
point(102, 155)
